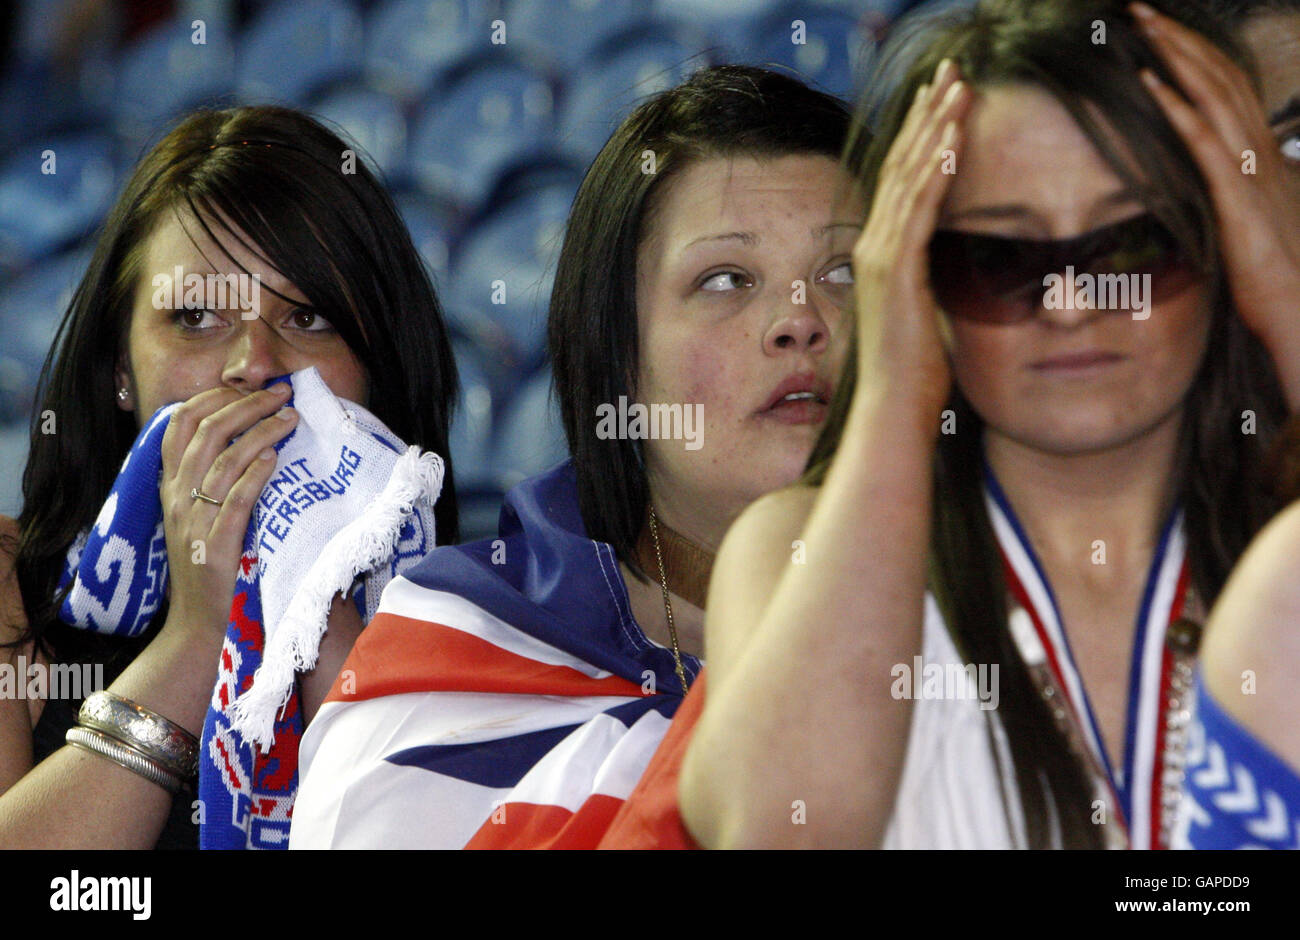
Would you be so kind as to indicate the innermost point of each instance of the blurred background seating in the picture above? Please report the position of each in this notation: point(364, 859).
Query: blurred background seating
point(482, 142)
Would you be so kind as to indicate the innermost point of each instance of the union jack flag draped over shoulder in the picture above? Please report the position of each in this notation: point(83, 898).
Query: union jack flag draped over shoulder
point(502, 697)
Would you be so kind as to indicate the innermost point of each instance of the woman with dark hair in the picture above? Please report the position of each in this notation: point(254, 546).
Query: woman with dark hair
point(1030, 485)
point(510, 691)
point(270, 203)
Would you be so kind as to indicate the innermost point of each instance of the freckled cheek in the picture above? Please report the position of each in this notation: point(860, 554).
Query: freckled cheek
point(715, 380)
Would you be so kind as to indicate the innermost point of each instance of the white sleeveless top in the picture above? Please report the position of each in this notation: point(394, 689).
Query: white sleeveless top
point(950, 796)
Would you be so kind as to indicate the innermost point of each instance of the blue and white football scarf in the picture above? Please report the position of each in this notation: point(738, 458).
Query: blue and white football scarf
point(348, 508)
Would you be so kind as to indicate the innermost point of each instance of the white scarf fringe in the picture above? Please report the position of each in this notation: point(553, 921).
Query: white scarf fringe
point(360, 546)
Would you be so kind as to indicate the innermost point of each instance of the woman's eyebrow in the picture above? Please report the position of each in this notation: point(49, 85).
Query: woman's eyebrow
point(827, 229)
point(752, 238)
point(747, 238)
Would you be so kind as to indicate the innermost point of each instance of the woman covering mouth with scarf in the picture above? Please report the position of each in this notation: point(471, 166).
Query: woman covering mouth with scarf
point(254, 195)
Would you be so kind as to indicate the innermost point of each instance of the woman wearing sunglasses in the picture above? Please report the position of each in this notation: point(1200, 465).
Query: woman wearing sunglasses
point(1044, 470)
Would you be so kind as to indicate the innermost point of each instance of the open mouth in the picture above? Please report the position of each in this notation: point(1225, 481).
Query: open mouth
point(798, 400)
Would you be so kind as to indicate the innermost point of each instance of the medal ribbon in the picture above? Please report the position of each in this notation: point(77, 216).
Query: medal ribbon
point(1137, 786)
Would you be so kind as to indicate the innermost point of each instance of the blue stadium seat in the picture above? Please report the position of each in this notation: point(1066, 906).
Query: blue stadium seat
point(713, 12)
point(830, 52)
point(548, 172)
point(530, 437)
point(431, 231)
point(41, 212)
point(31, 308)
point(509, 257)
point(626, 70)
point(881, 13)
point(471, 428)
point(374, 121)
point(291, 49)
point(411, 43)
point(493, 113)
point(477, 491)
point(166, 73)
point(35, 102)
point(564, 32)
point(13, 457)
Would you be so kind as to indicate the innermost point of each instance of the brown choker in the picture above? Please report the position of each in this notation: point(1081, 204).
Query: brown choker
point(687, 565)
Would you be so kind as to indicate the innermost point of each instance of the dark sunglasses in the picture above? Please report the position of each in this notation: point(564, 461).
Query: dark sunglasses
point(1002, 280)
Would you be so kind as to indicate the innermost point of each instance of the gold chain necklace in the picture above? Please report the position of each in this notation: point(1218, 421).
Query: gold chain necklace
point(668, 604)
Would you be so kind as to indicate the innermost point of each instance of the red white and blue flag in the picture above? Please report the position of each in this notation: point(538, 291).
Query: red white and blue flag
point(502, 697)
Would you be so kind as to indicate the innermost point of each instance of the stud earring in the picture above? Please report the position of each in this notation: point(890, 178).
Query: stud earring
point(123, 394)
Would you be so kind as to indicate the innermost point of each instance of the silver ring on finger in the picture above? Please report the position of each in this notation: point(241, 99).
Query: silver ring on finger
point(196, 494)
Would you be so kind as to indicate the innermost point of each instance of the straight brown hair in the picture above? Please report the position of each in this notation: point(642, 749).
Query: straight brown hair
point(1220, 484)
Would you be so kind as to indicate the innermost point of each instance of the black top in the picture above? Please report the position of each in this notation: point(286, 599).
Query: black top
point(60, 714)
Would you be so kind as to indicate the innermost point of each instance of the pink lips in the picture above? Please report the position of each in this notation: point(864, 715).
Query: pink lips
point(801, 398)
point(1077, 363)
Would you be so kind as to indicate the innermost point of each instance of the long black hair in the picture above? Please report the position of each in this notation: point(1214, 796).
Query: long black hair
point(318, 215)
point(722, 111)
point(1053, 46)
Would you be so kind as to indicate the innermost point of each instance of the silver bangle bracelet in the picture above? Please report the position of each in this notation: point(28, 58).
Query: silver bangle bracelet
point(99, 743)
point(163, 741)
